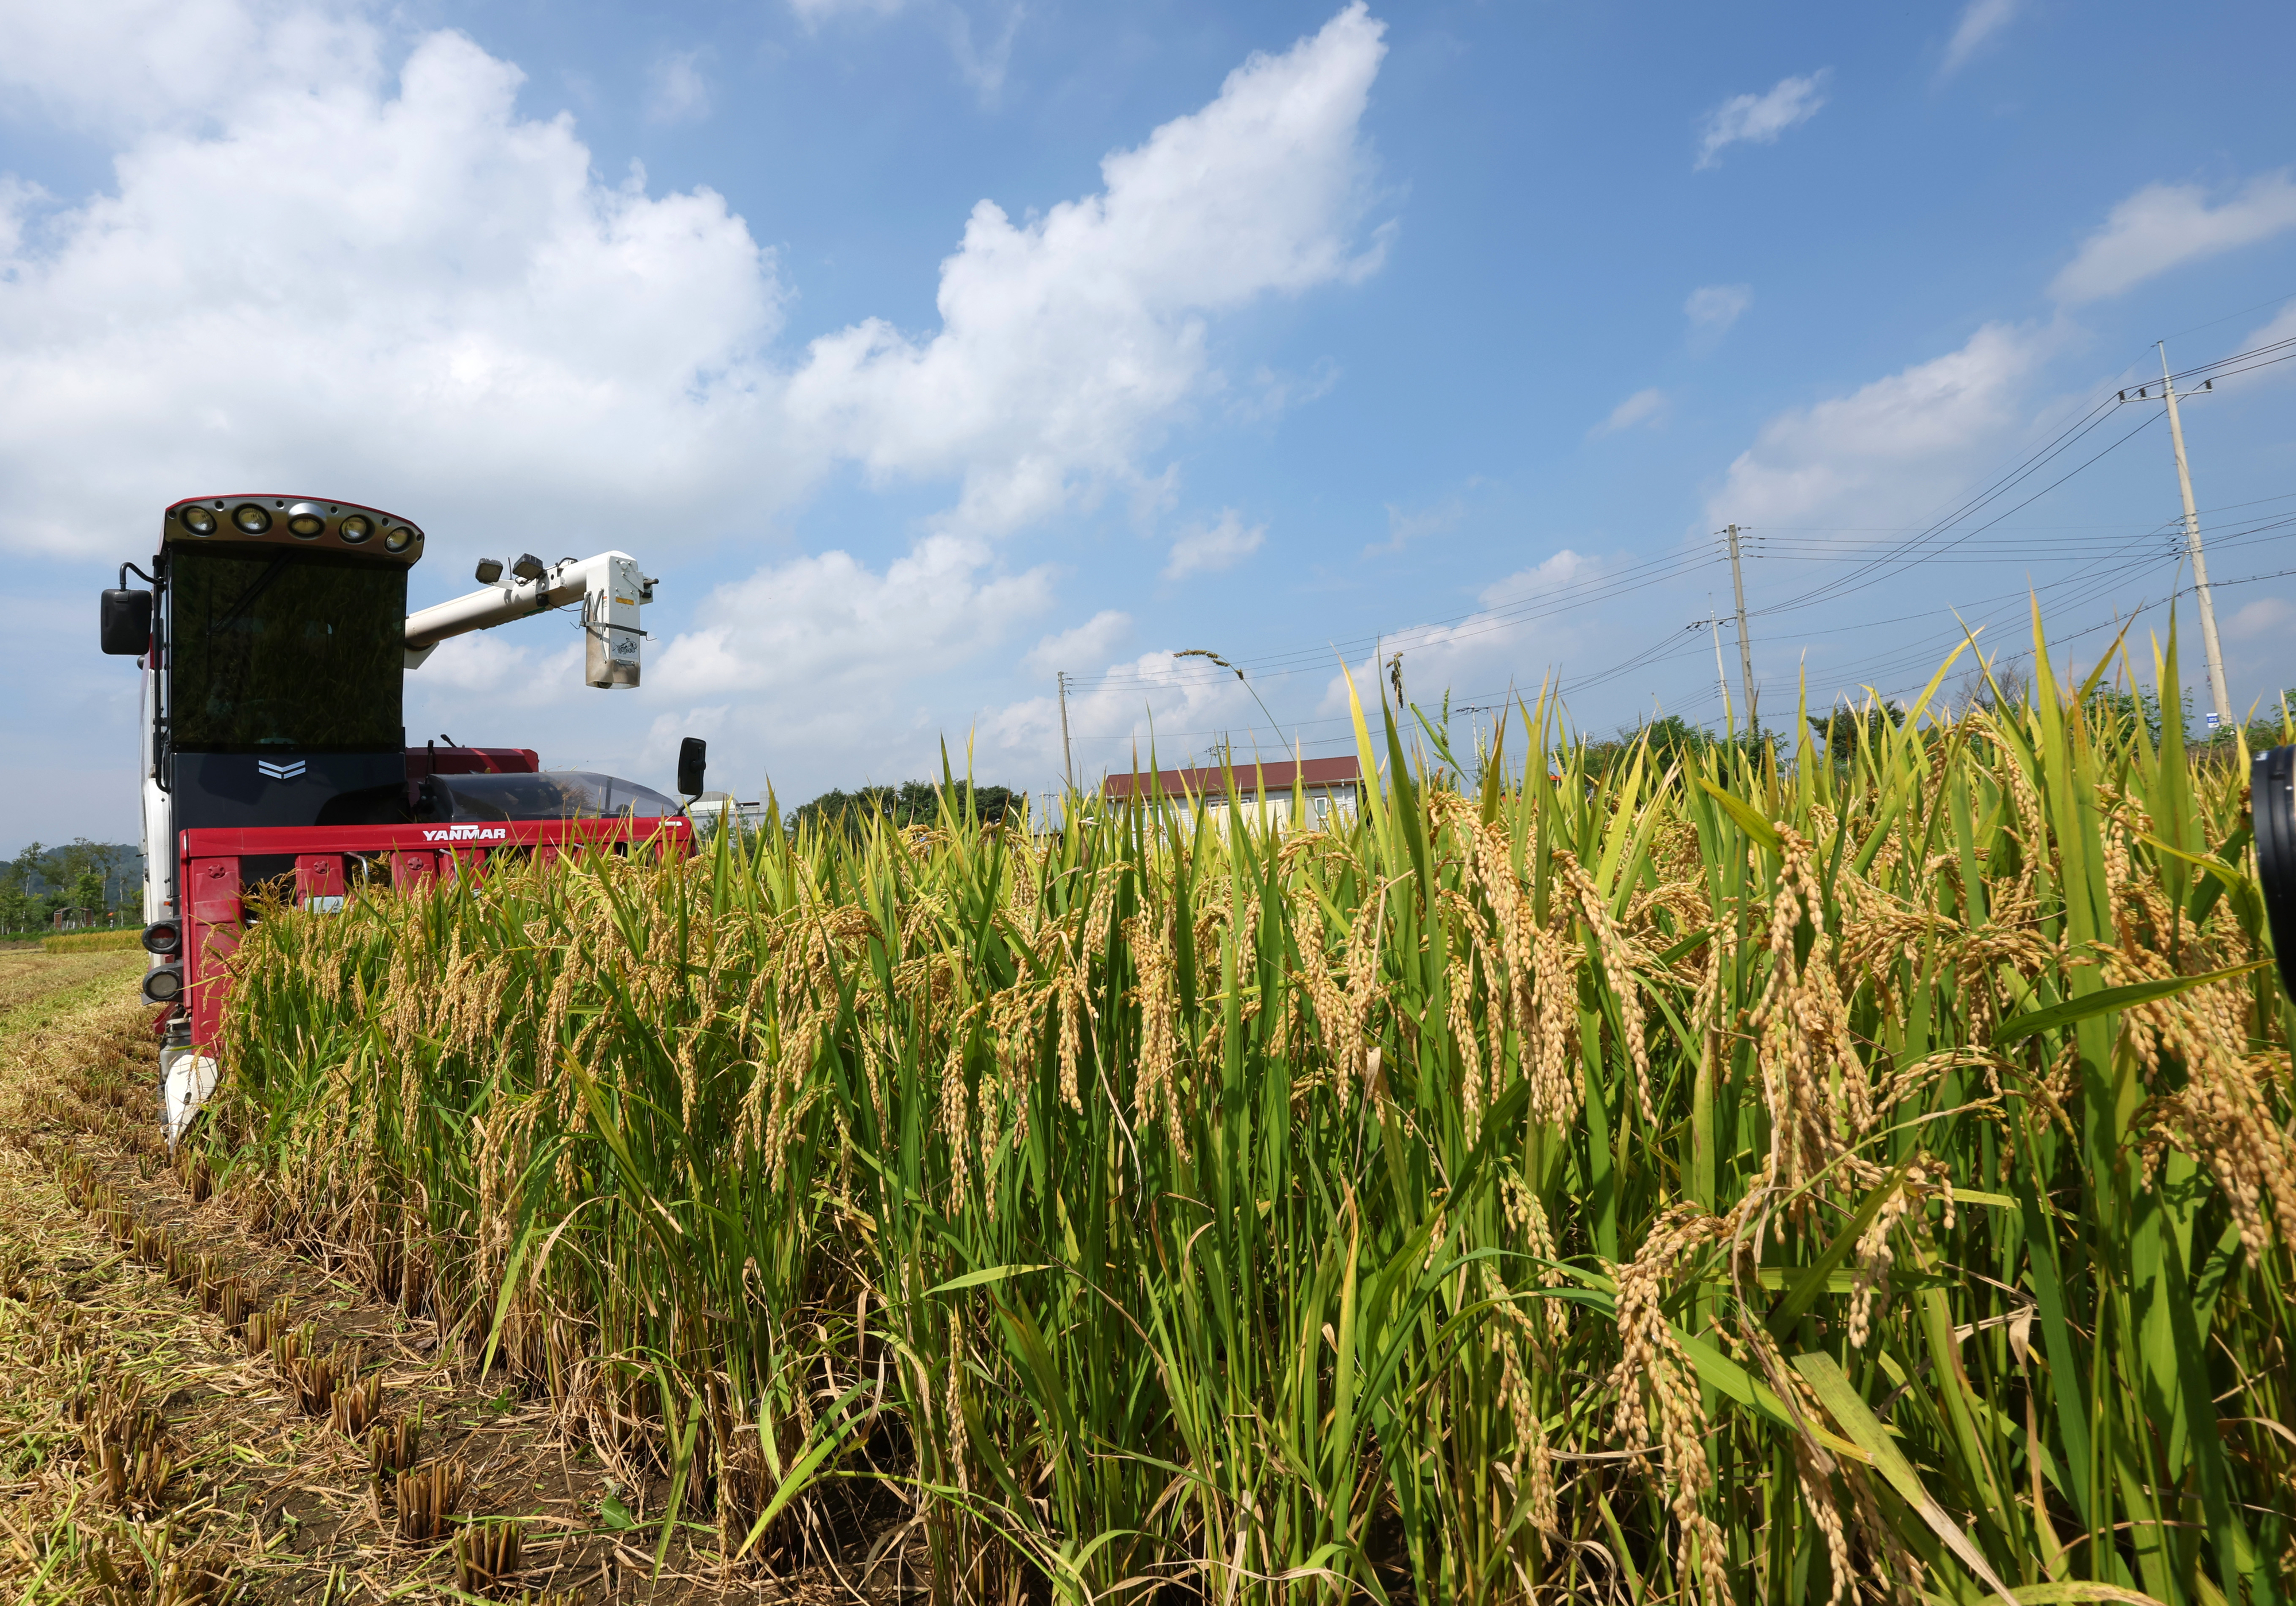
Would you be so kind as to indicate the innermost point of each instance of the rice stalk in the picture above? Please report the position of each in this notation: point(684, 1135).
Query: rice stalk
point(1476, 1198)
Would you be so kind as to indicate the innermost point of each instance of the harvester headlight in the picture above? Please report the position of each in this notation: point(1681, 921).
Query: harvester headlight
point(399, 539)
point(163, 985)
point(354, 527)
point(489, 570)
point(250, 518)
point(198, 520)
point(307, 521)
point(162, 937)
point(528, 568)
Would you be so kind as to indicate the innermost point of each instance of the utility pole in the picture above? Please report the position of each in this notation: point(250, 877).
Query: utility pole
point(2216, 688)
point(1714, 623)
point(1745, 652)
point(1068, 759)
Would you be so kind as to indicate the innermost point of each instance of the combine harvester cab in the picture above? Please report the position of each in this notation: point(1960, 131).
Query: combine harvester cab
point(275, 641)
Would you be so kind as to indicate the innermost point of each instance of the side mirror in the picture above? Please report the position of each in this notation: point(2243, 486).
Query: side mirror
point(2272, 811)
point(692, 759)
point(127, 623)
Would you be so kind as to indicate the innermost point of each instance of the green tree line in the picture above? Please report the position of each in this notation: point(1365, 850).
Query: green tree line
point(80, 874)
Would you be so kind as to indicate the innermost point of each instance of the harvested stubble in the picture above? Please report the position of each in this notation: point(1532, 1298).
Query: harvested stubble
point(394, 1446)
point(290, 1345)
point(1747, 1182)
point(488, 1556)
point(316, 1380)
point(261, 1328)
point(231, 1304)
point(124, 1439)
point(354, 1405)
point(17, 1263)
point(142, 1565)
point(425, 1497)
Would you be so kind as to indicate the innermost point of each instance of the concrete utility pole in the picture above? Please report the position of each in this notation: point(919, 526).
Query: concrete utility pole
point(1745, 652)
point(1714, 623)
point(1068, 759)
point(2216, 688)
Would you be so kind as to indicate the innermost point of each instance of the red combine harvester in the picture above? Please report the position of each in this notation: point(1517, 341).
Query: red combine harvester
point(275, 641)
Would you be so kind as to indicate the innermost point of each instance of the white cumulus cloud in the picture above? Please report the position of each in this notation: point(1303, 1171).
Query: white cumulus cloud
point(1523, 627)
point(391, 288)
point(2165, 226)
point(815, 11)
point(1406, 525)
point(1712, 309)
point(1907, 435)
point(1643, 407)
point(391, 285)
point(1088, 645)
point(118, 68)
point(2266, 616)
point(1981, 21)
point(677, 90)
point(1759, 119)
point(1068, 341)
point(823, 665)
point(1210, 548)
point(1523, 624)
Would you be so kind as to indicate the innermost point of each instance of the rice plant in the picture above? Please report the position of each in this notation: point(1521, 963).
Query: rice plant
point(1862, 1177)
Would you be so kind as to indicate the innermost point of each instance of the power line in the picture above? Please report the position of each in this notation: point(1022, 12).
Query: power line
point(1917, 544)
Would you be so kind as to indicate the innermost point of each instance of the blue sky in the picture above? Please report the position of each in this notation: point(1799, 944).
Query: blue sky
point(924, 349)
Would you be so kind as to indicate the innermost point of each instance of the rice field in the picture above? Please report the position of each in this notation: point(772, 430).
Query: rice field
point(1863, 1178)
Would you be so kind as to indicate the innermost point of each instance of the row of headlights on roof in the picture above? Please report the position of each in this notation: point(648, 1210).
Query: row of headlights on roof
point(305, 521)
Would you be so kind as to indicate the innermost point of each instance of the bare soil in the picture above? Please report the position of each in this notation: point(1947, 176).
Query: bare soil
point(260, 1502)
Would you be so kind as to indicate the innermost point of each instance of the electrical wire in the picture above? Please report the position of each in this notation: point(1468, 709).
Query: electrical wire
point(1922, 545)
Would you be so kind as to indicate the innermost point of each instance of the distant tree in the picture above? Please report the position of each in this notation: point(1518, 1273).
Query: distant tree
point(1672, 740)
point(846, 811)
point(81, 874)
point(2008, 686)
point(2269, 729)
point(23, 905)
point(2275, 722)
point(83, 871)
point(2123, 713)
point(912, 803)
point(86, 890)
point(1843, 726)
